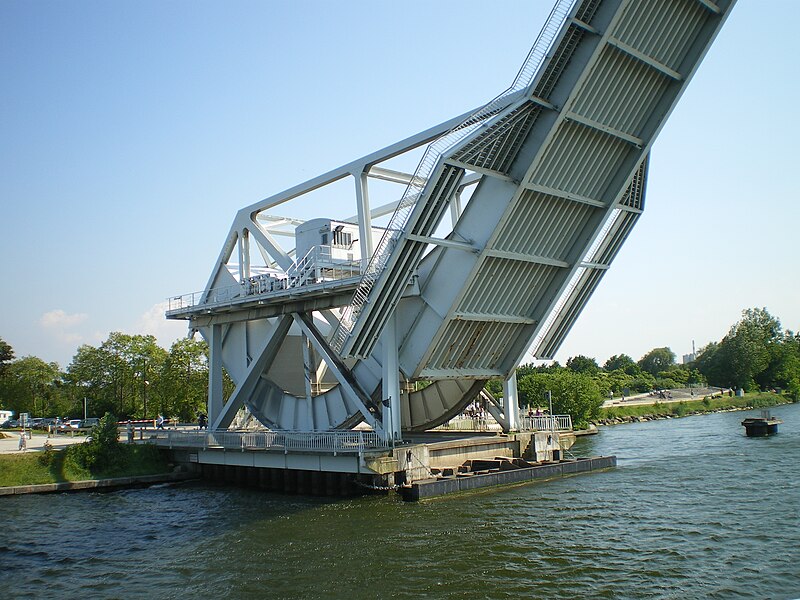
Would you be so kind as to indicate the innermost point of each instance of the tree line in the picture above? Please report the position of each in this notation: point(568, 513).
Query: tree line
point(131, 376)
point(756, 354)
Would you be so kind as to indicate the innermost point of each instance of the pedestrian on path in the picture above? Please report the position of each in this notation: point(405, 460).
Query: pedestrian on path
point(23, 444)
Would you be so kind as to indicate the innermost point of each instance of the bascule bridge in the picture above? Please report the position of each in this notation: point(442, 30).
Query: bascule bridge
point(392, 316)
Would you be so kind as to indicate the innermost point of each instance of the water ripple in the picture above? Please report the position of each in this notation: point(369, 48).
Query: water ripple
point(694, 510)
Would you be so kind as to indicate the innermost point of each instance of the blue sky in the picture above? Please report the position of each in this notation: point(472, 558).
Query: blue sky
point(132, 132)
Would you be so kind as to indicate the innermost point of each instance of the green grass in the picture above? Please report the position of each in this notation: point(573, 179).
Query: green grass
point(758, 400)
point(32, 468)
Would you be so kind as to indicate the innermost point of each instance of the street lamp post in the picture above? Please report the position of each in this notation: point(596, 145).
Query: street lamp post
point(145, 383)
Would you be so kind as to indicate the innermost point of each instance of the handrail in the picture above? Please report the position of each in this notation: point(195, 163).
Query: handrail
point(558, 423)
point(546, 423)
point(304, 271)
point(430, 159)
point(287, 441)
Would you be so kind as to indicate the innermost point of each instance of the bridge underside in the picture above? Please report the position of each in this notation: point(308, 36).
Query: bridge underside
point(492, 251)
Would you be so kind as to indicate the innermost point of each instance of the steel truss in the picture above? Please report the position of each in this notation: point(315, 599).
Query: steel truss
point(492, 250)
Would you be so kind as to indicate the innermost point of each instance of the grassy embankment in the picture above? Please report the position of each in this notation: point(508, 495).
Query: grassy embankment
point(681, 409)
point(56, 466)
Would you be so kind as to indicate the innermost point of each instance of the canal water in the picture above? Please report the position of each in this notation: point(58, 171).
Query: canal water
point(694, 510)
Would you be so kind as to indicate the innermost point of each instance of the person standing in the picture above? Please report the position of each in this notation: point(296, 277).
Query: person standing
point(23, 444)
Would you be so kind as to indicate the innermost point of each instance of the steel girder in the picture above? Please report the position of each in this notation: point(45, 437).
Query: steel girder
point(552, 174)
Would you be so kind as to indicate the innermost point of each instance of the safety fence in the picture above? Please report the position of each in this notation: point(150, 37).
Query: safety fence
point(560, 423)
point(287, 441)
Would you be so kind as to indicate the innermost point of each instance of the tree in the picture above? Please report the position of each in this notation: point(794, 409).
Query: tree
point(183, 380)
point(749, 347)
point(658, 359)
point(31, 385)
point(744, 355)
point(102, 450)
point(783, 370)
point(6, 355)
point(755, 354)
point(583, 364)
point(119, 376)
point(622, 362)
point(575, 394)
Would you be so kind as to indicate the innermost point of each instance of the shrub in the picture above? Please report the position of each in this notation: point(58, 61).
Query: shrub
point(679, 409)
point(47, 455)
point(103, 449)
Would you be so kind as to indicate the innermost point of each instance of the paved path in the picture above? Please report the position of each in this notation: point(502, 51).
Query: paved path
point(10, 443)
point(680, 395)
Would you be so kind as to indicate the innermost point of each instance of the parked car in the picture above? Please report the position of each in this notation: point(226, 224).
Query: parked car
point(90, 422)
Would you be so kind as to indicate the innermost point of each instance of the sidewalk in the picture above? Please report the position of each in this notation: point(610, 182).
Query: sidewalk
point(10, 444)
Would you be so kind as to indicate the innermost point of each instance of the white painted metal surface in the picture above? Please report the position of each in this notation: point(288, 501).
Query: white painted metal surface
point(494, 245)
point(288, 441)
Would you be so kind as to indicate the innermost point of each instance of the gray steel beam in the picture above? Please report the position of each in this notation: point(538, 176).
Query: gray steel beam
point(648, 60)
point(257, 367)
point(343, 375)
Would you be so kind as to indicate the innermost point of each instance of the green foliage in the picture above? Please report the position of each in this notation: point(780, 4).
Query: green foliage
point(30, 385)
point(658, 359)
point(583, 364)
point(6, 355)
point(689, 407)
point(575, 394)
point(755, 354)
point(47, 455)
point(30, 469)
point(103, 449)
point(644, 383)
point(182, 384)
point(495, 388)
point(622, 362)
point(119, 376)
point(666, 384)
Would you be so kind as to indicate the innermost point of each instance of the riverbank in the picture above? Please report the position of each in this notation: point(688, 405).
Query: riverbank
point(618, 415)
point(51, 467)
point(113, 483)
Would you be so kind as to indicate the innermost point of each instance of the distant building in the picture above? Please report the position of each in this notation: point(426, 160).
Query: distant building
point(687, 358)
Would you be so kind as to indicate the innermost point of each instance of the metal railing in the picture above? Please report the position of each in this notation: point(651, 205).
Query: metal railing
point(319, 265)
point(429, 160)
point(546, 423)
point(316, 267)
point(286, 441)
point(558, 423)
point(470, 424)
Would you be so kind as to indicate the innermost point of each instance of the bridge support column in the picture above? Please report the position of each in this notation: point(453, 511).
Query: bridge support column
point(308, 373)
point(215, 374)
point(364, 218)
point(391, 382)
point(511, 402)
